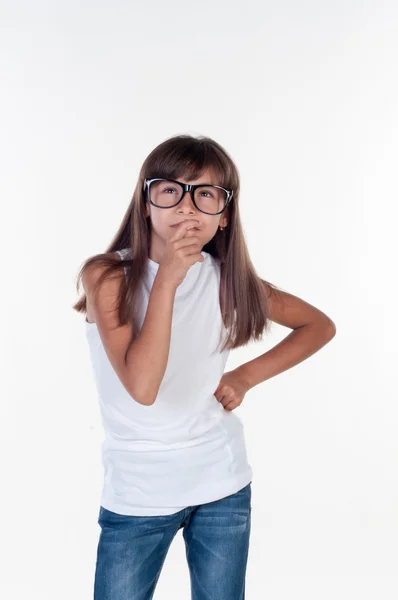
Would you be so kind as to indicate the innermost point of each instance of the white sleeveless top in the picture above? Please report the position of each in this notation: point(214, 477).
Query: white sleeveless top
point(185, 449)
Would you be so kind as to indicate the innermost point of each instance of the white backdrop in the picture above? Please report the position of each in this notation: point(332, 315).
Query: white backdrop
point(304, 98)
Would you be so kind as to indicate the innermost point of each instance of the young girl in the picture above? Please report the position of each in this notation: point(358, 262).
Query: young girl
point(173, 294)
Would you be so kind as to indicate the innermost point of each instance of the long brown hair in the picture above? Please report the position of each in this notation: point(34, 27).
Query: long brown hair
point(243, 303)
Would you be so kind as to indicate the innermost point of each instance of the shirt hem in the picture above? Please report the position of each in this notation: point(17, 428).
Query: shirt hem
point(209, 494)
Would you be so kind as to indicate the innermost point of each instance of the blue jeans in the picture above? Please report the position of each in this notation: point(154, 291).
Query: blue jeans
point(132, 550)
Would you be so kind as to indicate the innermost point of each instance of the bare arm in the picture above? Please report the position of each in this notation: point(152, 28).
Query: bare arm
point(312, 329)
point(148, 355)
point(147, 358)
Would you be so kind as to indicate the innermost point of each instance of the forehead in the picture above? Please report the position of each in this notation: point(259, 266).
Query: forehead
point(207, 176)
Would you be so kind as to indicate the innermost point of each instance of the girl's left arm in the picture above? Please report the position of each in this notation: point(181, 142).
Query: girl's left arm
point(312, 329)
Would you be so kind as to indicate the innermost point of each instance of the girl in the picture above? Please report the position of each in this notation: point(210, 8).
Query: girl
point(172, 295)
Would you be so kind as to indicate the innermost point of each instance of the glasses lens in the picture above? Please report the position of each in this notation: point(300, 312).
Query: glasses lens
point(209, 199)
point(165, 193)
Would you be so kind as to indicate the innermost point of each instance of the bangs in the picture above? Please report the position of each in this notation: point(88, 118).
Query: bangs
point(188, 158)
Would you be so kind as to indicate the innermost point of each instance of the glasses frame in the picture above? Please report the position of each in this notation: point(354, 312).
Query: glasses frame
point(187, 187)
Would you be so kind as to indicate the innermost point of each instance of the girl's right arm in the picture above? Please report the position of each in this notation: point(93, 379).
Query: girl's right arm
point(147, 357)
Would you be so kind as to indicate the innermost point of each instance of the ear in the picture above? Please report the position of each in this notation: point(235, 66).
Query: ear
point(223, 221)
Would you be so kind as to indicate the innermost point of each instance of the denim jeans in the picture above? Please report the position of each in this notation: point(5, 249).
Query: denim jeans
point(132, 550)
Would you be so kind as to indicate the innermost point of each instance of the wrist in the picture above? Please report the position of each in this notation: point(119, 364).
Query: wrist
point(162, 281)
point(244, 377)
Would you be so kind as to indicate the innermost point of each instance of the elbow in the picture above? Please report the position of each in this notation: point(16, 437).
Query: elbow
point(148, 401)
point(329, 329)
point(143, 397)
point(144, 401)
point(325, 326)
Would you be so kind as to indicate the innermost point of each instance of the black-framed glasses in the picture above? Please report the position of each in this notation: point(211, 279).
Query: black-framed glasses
point(208, 198)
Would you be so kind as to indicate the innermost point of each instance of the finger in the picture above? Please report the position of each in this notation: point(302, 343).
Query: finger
point(183, 227)
point(230, 405)
point(225, 400)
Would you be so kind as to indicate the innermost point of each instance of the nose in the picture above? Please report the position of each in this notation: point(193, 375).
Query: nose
point(187, 201)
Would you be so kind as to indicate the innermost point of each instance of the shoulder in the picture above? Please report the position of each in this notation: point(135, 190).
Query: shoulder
point(94, 271)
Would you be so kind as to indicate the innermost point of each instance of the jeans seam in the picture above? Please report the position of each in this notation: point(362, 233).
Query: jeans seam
point(163, 561)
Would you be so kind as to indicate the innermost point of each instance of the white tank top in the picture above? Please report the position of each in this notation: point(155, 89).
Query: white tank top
point(185, 449)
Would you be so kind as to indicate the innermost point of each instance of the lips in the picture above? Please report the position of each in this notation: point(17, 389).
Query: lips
point(175, 225)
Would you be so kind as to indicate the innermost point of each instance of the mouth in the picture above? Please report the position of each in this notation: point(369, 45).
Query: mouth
point(194, 228)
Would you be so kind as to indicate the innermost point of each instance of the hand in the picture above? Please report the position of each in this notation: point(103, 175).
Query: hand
point(183, 249)
point(231, 390)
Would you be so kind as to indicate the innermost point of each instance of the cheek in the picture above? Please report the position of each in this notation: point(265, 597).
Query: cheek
point(208, 232)
point(158, 221)
point(210, 227)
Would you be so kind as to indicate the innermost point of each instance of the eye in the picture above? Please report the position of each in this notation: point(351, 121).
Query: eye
point(209, 192)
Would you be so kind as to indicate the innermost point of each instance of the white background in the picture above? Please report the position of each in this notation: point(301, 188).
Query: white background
point(303, 95)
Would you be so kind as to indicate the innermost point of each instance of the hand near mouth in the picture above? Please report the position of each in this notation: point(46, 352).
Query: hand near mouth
point(183, 249)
